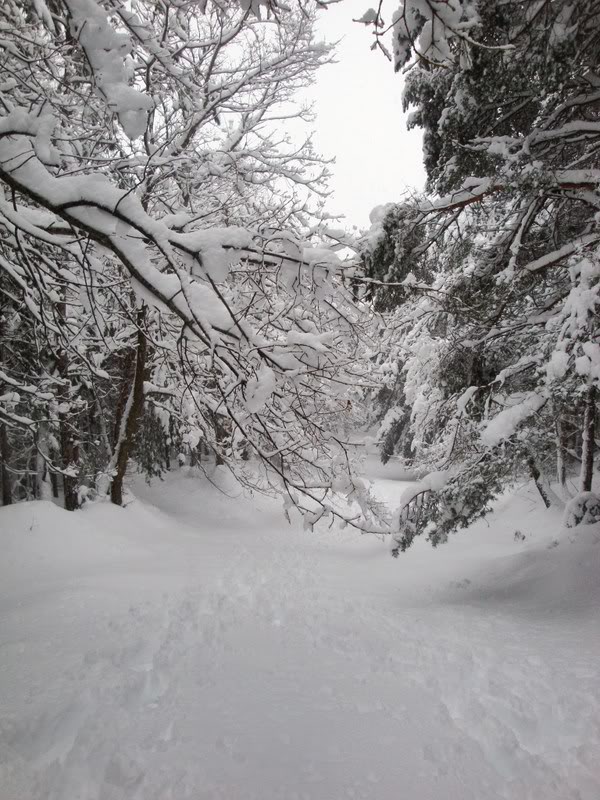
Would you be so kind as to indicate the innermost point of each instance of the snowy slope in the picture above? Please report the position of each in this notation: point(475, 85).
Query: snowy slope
point(193, 645)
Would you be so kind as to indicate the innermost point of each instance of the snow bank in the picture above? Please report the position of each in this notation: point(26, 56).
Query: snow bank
point(554, 572)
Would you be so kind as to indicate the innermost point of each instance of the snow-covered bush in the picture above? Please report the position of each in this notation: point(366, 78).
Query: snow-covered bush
point(582, 510)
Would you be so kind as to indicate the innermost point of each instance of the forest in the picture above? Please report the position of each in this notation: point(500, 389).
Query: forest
point(194, 344)
point(172, 289)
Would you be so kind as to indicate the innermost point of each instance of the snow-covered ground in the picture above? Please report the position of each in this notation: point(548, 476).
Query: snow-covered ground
point(195, 646)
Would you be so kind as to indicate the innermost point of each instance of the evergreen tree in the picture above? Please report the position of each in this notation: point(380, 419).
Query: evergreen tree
point(498, 349)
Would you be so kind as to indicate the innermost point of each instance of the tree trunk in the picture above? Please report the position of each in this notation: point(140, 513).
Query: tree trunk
point(4, 460)
point(561, 453)
point(43, 487)
point(69, 450)
point(53, 457)
point(220, 435)
point(128, 419)
point(5, 454)
point(54, 482)
point(70, 457)
point(588, 444)
point(537, 477)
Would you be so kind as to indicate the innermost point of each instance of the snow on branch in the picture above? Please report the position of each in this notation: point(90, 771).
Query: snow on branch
point(107, 53)
point(506, 422)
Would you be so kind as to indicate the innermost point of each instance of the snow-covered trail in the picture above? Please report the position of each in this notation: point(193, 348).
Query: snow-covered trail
point(208, 650)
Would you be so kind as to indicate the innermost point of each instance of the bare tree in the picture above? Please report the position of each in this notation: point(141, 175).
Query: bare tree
point(140, 151)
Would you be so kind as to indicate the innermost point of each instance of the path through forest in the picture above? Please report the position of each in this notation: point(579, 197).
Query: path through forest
point(202, 648)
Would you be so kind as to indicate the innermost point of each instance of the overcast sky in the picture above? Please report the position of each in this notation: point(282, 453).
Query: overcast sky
point(360, 120)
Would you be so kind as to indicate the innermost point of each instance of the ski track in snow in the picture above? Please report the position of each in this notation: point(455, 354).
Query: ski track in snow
point(219, 655)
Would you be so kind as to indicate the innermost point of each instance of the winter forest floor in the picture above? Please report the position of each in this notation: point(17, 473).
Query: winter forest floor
point(194, 645)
